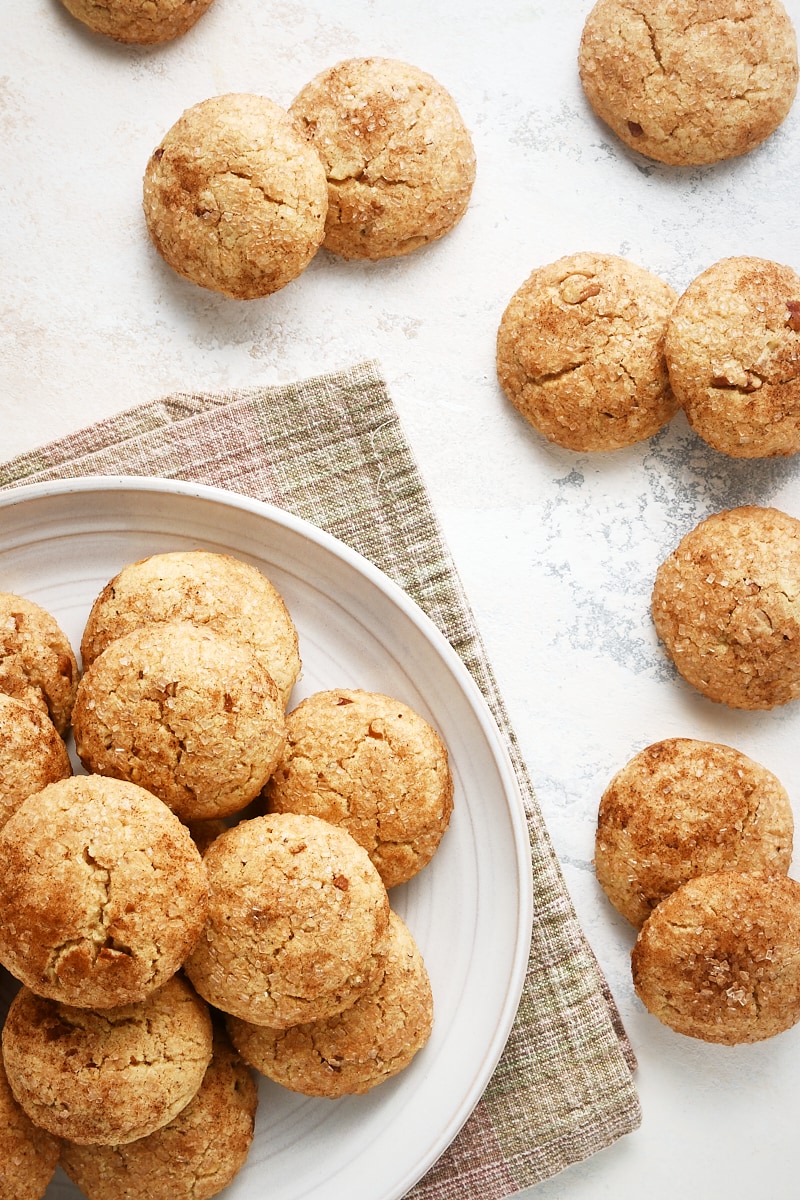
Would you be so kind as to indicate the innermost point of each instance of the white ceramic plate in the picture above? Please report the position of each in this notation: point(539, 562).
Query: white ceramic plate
point(469, 910)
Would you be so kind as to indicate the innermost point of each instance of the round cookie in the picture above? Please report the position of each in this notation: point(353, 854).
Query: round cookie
point(37, 663)
point(145, 22)
point(213, 590)
point(297, 924)
point(689, 81)
point(197, 1154)
point(352, 1052)
point(32, 754)
point(580, 352)
point(28, 1154)
point(399, 160)
point(718, 958)
point(371, 764)
point(234, 198)
point(682, 808)
point(190, 715)
point(724, 606)
point(733, 356)
point(107, 1077)
point(103, 893)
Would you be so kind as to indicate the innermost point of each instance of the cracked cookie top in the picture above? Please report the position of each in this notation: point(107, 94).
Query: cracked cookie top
point(32, 754)
point(28, 1154)
point(689, 81)
point(103, 892)
point(37, 662)
point(144, 22)
point(580, 352)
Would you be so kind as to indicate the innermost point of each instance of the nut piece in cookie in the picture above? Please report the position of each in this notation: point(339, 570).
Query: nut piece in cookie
point(28, 1154)
point(37, 663)
point(682, 808)
point(398, 158)
point(190, 715)
point(352, 1052)
point(234, 198)
point(197, 1154)
point(371, 764)
point(213, 590)
point(107, 1077)
point(725, 604)
point(718, 958)
point(689, 81)
point(32, 754)
point(733, 355)
point(103, 893)
point(297, 924)
point(580, 352)
point(145, 22)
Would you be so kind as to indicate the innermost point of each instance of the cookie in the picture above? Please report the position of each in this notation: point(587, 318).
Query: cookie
point(190, 715)
point(103, 892)
point(144, 22)
point(723, 605)
point(368, 1043)
point(297, 921)
point(580, 352)
point(28, 1155)
point(689, 81)
point(213, 590)
point(718, 960)
point(681, 808)
point(733, 356)
point(371, 764)
point(234, 198)
point(37, 662)
point(399, 160)
point(197, 1154)
point(32, 754)
point(107, 1077)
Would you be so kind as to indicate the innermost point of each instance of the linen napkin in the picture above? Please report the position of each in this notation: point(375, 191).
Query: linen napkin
point(331, 450)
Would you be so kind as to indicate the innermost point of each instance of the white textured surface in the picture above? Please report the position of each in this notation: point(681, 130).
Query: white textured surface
point(557, 550)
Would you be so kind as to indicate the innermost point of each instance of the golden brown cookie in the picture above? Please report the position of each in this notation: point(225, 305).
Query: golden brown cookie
point(28, 1155)
point(297, 924)
point(352, 1052)
point(580, 352)
point(733, 355)
point(196, 1155)
point(371, 764)
point(213, 590)
point(107, 1077)
point(145, 22)
point(681, 808)
point(719, 959)
point(399, 160)
point(103, 892)
point(32, 754)
point(234, 198)
point(689, 81)
point(37, 663)
point(192, 716)
point(725, 605)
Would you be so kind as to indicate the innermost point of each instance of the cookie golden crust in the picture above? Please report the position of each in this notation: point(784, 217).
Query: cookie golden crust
point(689, 81)
point(32, 754)
point(725, 605)
point(297, 925)
point(682, 808)
point(186, 713)
point(28, 1154)
point(37, 663)
point(351, 1053)
point(234, 198)
point(197, 1154)
point(733, 355)
point(398, 158)
point(144, 22)
point(103, 893)
point(371, 764)
point(107, 1077)
point(215, 591)
point(719, 959)
point(580, 352)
